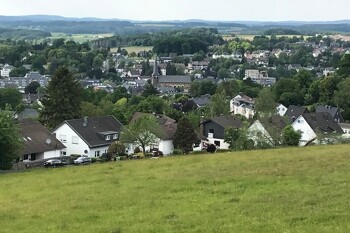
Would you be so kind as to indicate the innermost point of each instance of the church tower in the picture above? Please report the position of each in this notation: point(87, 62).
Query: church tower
point(155, 74)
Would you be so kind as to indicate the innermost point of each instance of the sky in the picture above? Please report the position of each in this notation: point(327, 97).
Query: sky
point(157, 10)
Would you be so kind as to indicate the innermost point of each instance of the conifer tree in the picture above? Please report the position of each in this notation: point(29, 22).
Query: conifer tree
point(62, 99)
point(185, 135)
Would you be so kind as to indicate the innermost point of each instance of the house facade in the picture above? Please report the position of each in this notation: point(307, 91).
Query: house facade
point(267, 132)
point(88, 136)
point(214, 130)
point(164, 143)
point(316, 128)
point(242, 105)
point(38, 142)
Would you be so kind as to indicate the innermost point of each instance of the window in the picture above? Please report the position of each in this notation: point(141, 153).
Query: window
point(63, 152)
point(97, 153)
point(115, 136)
point(217, 143)
point(25, 157)
point(63, 138)
point(108, 137)
point(75, 140)
point(211, 130)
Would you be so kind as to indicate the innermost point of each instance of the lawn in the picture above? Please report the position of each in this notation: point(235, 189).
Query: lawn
point(282, 190)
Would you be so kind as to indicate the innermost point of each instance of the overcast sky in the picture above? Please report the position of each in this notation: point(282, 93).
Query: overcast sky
point(261, 10)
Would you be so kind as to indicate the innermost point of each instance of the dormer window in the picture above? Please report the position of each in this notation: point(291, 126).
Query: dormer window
point(115, 136)
point(108, 137)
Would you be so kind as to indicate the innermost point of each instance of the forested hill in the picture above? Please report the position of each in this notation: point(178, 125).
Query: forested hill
point(22, 34)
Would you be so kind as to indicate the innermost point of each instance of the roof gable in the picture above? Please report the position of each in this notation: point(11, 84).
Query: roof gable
point(37, 138)
point(322, 122)
point(94, 130)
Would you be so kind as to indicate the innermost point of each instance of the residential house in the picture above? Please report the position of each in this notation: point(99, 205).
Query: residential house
point(281, 109)
point(334, 111)
point(293, 112)
point(242, 105)
point(5, 71)
point(346, 129)
point(38, 142)
point(89, 136)
point(319, 128)
point(267, 132)
point(168, 128)
point(214, 129)
point(259, 77)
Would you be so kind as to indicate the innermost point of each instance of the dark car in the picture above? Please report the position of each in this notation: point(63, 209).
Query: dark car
point(54, 163)
point(83, 160)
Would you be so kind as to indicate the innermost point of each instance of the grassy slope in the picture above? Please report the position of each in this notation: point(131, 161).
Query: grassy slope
point(284, 190)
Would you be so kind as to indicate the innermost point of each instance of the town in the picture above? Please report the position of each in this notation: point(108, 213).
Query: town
point(235, 94)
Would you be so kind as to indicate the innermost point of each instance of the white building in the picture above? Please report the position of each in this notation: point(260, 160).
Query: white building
point(281, 109)
point(38, 142)
point(88, 136)
point(316, 128)
point(242, 105)
point(164, 143)
point(5, 71)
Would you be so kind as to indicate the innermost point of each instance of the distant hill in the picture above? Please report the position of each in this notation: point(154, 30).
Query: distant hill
point(90, 25)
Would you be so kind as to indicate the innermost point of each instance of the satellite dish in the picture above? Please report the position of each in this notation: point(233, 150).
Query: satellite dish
point(48, 141)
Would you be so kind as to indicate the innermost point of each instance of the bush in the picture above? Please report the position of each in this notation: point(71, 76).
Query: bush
point(93, 160)
point(75, 155)
point(211, 148)
point(177, 152)
point(137, 150)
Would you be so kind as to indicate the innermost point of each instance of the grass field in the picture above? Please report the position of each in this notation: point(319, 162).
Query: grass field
point(80, 38)
point(251, 37)
point(282, 190)
point(135, 49)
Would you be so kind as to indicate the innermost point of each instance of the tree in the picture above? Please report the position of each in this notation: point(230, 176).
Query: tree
point(143, 132)
point(170, 69)
point(116, 149)
point(10, 143)
point(32, 88)
point(290, 136)
point(185, 135)
point(62, 100)
point(149, 90)
point(265, 104)
point(342, 97)
point(10, 97)
point(218, 104)
point(237, 139)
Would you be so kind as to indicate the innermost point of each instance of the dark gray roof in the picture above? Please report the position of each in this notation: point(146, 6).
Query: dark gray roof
point(167, 124)
point(274, 124)
point(202, 100)
point(227, 121)
point(293, 112)
point(35, 137)
point(331, 110)
point(28, 113)
point(175, 79)
point(155, 68)
point(322, 122)
point(95, 129)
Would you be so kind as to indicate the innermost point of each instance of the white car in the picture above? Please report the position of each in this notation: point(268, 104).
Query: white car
point(83, 160)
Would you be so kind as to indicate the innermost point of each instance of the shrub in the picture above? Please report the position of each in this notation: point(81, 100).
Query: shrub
point(137, 150)
point(211, 148)
point(177, 152)
point(93, 160)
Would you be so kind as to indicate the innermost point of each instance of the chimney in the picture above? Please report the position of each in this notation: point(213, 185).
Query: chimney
point(85, 121)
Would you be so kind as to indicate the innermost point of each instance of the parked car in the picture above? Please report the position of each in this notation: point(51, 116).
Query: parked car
point(54, 163)
point(83, 160)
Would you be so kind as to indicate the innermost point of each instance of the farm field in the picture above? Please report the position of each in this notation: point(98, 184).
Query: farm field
point(281, 190)
point(80, 38)
point(135, 49)
point(251, 37)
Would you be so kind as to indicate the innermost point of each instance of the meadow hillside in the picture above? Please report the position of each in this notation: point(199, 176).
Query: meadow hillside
point(282, 190)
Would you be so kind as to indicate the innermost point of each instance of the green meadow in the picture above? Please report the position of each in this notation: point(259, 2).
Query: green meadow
point(281, 190)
